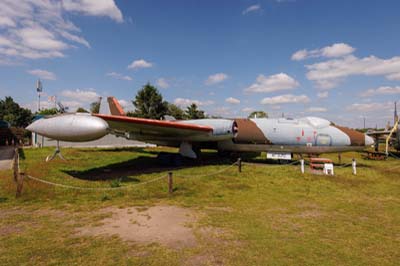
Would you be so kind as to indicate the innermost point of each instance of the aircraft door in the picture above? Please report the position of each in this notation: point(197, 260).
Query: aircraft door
point(324, 140)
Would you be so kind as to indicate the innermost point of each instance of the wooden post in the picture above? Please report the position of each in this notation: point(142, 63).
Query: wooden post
point(170, 183)
point(340, 158)
point(239, 162)
point(19, 177)
point(20, 184)
point(15, 165)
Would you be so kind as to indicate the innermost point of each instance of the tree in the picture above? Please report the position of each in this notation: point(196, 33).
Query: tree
point(11, 112)
point(149, 103)
point(95, 107)
point(49, 111)
point(81, 110)
point(258, 114)
point(193, 113)
point(175, 111)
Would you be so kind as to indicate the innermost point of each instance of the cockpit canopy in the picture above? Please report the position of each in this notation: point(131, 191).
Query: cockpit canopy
point(316, 122)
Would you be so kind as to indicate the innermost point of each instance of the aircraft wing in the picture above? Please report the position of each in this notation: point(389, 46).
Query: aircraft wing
point(381, 133)
point(152, 127)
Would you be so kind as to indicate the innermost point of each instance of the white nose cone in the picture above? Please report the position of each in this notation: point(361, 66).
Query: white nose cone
point(369, 141)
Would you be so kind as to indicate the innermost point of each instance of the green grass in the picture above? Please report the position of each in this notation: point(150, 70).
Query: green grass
point(270, 214)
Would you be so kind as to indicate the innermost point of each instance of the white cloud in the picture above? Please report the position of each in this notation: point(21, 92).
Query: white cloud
point(317, 109)
point(186, 102)
point(248, 110)
point(85, 96)
point(300, 55)
point(272, 83)
point(335, 50)
point(232, 100)
point(118, 76)
point(222, 111)
point(395, 76)
point(383, 90)
point(286, 98)
point(369, 107)
point(329, 74)
point(323, 94)
point(252, 8)
point(43, 74)
point(106, 8)
point(162, 83)
point(216, 78)
point(141, 63)
point(41, 29)
point(127, 105)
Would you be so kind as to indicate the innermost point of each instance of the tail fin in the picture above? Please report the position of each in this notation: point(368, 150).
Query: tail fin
point(115, 107)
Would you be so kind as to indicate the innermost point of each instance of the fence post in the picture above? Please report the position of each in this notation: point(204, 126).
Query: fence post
point(15, 165)
point(18, 176)
point(354, 165)
point(302, 166)
point(20, 184)
point(170, 183)
point(239, 162)
point(340, 158)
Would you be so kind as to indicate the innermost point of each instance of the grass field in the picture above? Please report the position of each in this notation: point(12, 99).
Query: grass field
point(267, 215)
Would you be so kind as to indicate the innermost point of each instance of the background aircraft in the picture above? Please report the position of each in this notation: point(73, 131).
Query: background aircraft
point(280, 137)
point(390, 134)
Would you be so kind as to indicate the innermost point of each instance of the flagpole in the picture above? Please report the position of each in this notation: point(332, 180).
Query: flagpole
point(39, 90)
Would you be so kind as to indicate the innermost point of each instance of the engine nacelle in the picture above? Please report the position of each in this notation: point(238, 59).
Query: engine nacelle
point(223, 129)
point(77, 127)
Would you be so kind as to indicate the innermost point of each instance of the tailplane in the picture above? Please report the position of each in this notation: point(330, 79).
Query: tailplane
point(115, 107)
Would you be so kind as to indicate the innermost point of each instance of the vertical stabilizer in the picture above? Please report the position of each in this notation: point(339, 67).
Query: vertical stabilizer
point(115, 107)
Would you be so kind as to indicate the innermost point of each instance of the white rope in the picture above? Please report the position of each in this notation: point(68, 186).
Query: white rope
point(344, 165)
point(93, 188)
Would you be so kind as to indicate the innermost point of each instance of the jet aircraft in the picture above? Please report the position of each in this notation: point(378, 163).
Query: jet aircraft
point(276, 136)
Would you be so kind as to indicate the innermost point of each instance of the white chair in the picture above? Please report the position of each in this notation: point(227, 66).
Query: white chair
point(328, 169)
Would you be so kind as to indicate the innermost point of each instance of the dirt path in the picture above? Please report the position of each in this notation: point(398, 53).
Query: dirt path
point(167, 225)
point(6, 156)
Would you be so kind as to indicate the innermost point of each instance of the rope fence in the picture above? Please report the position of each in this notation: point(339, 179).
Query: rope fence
point(18, 176)
point(169, 176)
point(95, 188)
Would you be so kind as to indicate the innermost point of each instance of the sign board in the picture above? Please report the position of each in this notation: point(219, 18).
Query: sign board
point(279, 155)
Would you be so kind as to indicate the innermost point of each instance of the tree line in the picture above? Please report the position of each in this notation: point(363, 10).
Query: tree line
point(149, 103)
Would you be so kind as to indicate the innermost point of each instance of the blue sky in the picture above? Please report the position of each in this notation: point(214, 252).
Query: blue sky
point(335, 59)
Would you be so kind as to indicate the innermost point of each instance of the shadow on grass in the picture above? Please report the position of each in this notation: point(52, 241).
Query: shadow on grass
point(143, 165)
point(3, 199)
